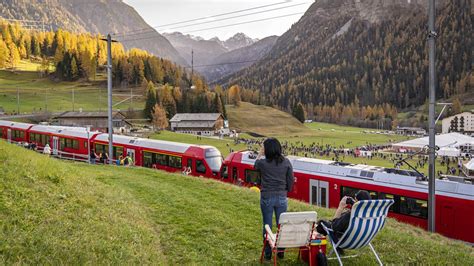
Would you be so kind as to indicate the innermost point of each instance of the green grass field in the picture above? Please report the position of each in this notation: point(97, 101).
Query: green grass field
point(271, 122)
point(39, 93)
point(57, 212)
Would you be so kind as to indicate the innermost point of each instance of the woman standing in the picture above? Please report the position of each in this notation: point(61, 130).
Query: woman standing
point(277, 180)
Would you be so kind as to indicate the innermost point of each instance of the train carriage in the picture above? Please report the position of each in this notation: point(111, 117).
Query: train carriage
point(324, 183)
point(164, 155)
point(14, 131)
point(69, 142)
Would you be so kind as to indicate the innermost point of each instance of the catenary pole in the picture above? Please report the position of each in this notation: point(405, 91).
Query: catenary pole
point(73, 103)
point(18, 100)
point(109, 95)
point(431, 117)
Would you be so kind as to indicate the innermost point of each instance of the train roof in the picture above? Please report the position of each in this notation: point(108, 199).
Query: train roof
point(79, 132)
point(17, 125)
point(146, 143)
point(367, 174)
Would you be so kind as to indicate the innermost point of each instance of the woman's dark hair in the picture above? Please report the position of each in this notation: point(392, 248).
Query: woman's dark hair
point(273, 150)
point(363, 195)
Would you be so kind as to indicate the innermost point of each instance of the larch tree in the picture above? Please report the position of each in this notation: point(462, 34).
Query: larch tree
point(159, 120)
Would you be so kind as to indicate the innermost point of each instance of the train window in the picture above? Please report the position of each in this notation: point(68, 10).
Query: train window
point(351, 192)
point(62, 143)
point(85, 144)
point(100, 148)
point(200, 167)
point(225, 172)
point(414, 207)
point(118, 151)
point(394, 207)
point(75, 144)
point(162, 159)
point(348, 191)
point(44, 139)
point(175, 161)
point(147, 159)
point(253, 177)
point(69, 143)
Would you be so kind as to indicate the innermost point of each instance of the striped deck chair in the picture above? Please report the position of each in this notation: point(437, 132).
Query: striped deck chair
point(294, 231)
point(367, 219)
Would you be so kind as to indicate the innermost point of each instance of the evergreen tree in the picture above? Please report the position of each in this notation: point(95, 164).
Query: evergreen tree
point(299, 113)
point(224, 111)
point(150, 100)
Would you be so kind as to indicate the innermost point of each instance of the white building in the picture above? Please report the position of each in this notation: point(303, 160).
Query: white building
point(463, 122)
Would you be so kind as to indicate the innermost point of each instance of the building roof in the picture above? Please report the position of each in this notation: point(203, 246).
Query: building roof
point(195, 117)
point(195, 124)
point(71, 114)
point(450, 139)
point(460, 114)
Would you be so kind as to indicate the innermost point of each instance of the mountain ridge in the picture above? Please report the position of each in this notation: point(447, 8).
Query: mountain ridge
point(379, 58)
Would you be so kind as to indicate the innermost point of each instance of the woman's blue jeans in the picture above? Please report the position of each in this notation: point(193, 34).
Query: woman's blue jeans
point(272, 204)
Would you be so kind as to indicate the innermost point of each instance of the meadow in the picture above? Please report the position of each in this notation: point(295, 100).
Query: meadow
point(57, 212)
point(39, 94)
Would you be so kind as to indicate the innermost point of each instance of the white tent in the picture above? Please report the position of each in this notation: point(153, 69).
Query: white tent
point(470, 165)
point(469, 168)
point(449, 151)
point(453, 140)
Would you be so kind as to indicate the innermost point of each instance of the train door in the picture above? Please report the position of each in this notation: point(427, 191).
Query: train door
point(319, 193)
point(447, 221)
point(131, 153)
point(9, 135)
point(55, 145)
point(190, 166)
point(235, 175)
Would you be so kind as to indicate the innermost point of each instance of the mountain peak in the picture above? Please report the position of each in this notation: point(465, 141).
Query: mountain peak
point(239, 40)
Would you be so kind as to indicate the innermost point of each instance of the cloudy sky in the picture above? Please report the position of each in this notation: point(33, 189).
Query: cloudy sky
point(161, 13)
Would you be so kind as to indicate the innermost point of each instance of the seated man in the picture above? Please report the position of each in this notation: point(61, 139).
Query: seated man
point(341, 219)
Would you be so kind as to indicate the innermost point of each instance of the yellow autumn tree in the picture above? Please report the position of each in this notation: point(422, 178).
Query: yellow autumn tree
point(159, 117)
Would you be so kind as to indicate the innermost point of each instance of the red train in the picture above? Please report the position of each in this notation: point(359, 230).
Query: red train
point(319, 182)
point(73, 143)
point(324, 183)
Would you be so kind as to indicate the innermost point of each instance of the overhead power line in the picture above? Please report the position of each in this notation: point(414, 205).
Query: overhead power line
point(222, 19)
point(335, 7)
point(218, 27)
point(200, 18)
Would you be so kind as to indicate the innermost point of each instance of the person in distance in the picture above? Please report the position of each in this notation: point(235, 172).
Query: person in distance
point(342, 217)
point(277, 180)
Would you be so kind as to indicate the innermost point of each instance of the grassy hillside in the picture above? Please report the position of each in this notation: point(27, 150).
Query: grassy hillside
point(38, 93)
point(263, 120)
point(56, 212)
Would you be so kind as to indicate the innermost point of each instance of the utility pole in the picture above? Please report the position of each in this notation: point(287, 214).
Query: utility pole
point(192, 65)
point(73, 99)
point(46, 101)
point(109, 95)
point(431, 117)
point(18, 101)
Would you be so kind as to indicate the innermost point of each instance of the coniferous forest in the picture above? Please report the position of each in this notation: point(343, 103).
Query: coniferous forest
point(367, 73)
point(80, 56)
